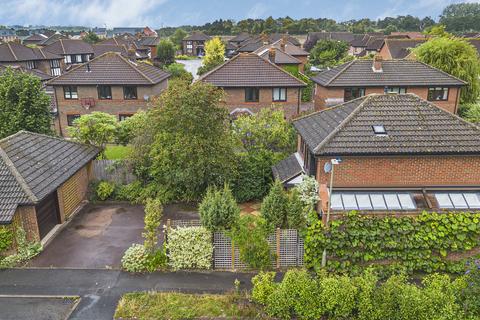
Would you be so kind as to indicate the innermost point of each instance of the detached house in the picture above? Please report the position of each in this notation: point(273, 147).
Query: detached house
point(109, 83)
point(72, 51)
point(194, 44)
point(358, 78)
point(286, 54)
point(34, 39)
point(395, 154)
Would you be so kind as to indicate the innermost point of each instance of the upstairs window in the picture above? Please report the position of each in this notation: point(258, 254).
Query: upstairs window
point(31, 65)
point(130, 93)
point(68, 59)
point(438, 94)
point(353, 93)
point(399, 90)
point(55, 68)
point(279, 94)
point(252, 94)
point(104, 92)
point(70, 92)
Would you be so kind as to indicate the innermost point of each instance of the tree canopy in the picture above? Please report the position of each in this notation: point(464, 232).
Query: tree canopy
point(329, 53)
point(177, 37)
point(91, 38)
point(24, 105)
point(165, 52)
point(214, 55)
point(461, 17)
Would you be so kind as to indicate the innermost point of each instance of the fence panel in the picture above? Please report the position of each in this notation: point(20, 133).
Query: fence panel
point(112, 171)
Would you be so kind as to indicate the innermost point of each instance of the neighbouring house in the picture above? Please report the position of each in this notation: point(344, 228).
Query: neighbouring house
point(399, 48)
point(279, 57)
point(44, 77)
point(149, 32)
point(251, 82)
point(254, 43)
point(52, 38)
point(194, 44)
point(123, 30)
point(109, 83)
point(358, 78)
point(34, 39)
point(363, 45)
point(72, 51)
point(43, 181)
point(239, 38)
point(100, 32)
point(16, 54)
point(8, 35)
point(397, 154)
point(314, 37)
point(151, 43)
point(137, 51)
point(288, 53)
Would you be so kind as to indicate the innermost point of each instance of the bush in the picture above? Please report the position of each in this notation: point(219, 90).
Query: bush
point(218, 209)
point(129, 192)
point(274, 207)
point(297, 211)
point(25, 250)
point(263, 286)
point(135, 258)
point(190, 248)
point(177, 71)
point(104, 190)
point(153, 217)
point(471, 292)
point(6, 238)
point(308, 191)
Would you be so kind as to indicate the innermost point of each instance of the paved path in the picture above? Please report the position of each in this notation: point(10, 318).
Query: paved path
point(191, 66)
point(101, 289)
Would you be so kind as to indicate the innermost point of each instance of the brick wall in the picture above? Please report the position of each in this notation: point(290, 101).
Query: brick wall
point(323, 93)
point(115, 106)
point(26, 217)
point(73, 191)
point(235, 98)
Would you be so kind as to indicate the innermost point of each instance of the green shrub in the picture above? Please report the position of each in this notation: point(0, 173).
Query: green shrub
point(218, 209)
point(190, 248)
point(274, 207)
point(337, 296)
point(25, 250)
point(296, 214)
point(104, 190)
point(129, 192)
point(135, 259)
point(263, 286)
point(157, 260)
point(152, 220)
point(6, 238)
point(470, 292)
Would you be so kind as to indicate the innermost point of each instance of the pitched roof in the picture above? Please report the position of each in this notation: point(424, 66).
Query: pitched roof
point(291, 49)
point(413, 126)
point(13, 52)
point(476, 44)
point(401, 48)
point(395, 73)
point(99, 49)
point(287, 168)
point(111, 68)
point(34, 165)
point(250, 70)
point(69, 46)
point(197, 36)
point(149, 41)
point(242, 36)
point(280, 56)
point(53, 38)
point(36, 37)
point(42, 75)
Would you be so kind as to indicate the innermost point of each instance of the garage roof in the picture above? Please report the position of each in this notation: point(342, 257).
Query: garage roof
point(34, 165)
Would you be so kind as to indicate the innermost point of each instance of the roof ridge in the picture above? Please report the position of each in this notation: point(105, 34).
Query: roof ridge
point(63, 48)
point(343, 123)
point(43, 54)
point(348, 64)
point(281, 69)
point(11, 50)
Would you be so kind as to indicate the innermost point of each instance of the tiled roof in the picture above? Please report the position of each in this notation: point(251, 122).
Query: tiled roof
point(287, 168)
point(99, 49)
point(53, 38)
point(280, 56)
point(36, 37)
point(401, 48)
point(476, 44)
point(111, 68)
point(42, 75)
point(197, 36)
point(34, 165)
point(250, 70)
point(69, 46)
point(149, 41)
point(123, 40)
point(241, 37)
point(413, 126)
point(291, 49)
point(395, 73)
point(13, 52)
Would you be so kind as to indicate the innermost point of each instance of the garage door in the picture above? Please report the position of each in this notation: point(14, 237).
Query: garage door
point(47, 214)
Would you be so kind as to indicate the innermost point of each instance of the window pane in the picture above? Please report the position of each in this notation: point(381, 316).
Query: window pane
point(443, 200)
point(458, 201)
point(363, 201)
point(349, 201)
point(336, 202)
point(377, 201)
point(473, 200)
point(406, 201)
point(392, 201)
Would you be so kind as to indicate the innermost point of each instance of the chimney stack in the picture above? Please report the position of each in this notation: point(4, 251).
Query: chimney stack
point(283, 42)
point(271, 55)
point(265, 38)
point(377, 63)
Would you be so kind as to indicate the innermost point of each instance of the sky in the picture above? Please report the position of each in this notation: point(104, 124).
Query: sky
point(161, 13)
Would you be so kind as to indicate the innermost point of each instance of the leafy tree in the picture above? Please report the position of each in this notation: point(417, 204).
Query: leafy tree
point(177, 37)
point(296, 210)
point(456, 57)
point(218, 209)
point(471, 112)
point(96, 128)
point(461, 17)
point(328, 53)
point(165, 52)
point(389, 29)
point(153, 217)
point(275, 206)
point(91, 38)
point(214, 55)
point(23, 104)
point(177, 71)
point(128, 129)
point(437, 31)
point(188, 144)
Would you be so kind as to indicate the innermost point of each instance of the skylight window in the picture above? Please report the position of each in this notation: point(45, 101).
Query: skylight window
point(379, 130)
point(372, 201)
point(458, 200)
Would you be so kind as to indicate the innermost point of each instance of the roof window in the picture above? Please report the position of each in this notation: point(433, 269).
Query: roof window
point(379, 130)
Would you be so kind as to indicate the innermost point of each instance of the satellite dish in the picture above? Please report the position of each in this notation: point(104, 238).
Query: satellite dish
point(327, 167)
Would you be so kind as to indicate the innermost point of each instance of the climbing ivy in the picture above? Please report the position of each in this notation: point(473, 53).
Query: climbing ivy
point(431, 242)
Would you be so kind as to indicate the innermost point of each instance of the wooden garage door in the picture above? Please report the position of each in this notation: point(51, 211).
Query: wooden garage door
point(47, 214)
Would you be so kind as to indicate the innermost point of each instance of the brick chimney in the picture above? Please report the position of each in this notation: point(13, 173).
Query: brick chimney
point(377, 63)
point(265, 38)
point(283, 42)
point(271, 55)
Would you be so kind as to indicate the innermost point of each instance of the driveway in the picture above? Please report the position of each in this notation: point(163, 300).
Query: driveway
point(191, 66)
point(97, 237)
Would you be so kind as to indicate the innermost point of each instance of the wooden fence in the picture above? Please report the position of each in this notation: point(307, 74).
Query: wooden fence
point(113, 171)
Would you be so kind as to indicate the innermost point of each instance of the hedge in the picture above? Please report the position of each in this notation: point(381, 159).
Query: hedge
point(189, 248)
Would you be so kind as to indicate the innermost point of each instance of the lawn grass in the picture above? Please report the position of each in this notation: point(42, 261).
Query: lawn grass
point(172, 305)
point(116, 152)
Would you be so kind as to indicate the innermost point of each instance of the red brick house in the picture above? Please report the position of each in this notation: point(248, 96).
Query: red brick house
point(358, 78)
point(43, 181)
point(286, 53)
point(194, 44)
point(109, 83)
point(399, 154)
point(251, 82)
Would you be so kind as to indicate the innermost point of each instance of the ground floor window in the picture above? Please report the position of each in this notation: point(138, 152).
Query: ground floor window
point(252, 94)
point(353, 93)
point(71, 118)
point(279, 94)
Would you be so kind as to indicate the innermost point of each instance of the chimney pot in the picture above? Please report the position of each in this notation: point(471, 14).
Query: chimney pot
point(377, 63)
point(271, 55)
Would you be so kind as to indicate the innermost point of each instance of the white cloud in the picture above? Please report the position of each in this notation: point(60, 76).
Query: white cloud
point(257, 11)
point(81, 12)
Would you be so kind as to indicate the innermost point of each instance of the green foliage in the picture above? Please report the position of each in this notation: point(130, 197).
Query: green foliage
point(275, 206)
point(128, 129)
point(250, 235)
point(165, 52)
point(135, 258)
point(392, 244)
point(104, 190)
point(457, 57)
point(296, 214)
point(263, 286)
point(177, 38)
point(153, 218)
point(461, 17)
point(190, 248)
point(219, 210)
point(24, 105)
point(25, 250)
point(307, 92)
point(177, 71)
point(129, 192)
point(214, 55)
point(471, 290)
point(91, 38)
point(471, 112)
point(328, 53)
point(179, 153)
point(6, 238)
point(96, 128)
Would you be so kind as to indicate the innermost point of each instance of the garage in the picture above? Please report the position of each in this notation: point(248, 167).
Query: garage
point(48, 214)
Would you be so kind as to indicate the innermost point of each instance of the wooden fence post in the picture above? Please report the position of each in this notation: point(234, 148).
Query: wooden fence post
point(277, 236)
